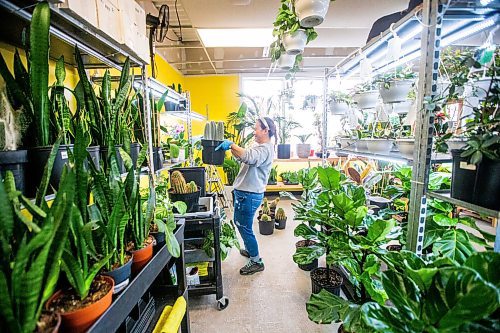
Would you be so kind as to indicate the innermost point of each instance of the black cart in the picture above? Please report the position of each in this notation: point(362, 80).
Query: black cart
point(196, 230)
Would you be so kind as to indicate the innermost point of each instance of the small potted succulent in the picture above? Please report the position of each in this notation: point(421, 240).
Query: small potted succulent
point(311, 12)
point(273, 176)
point(366, 95)
point(339, 102)
point(189, 193)
point(266, 225)
point(288, 30)
point(280, 219)
point(174, 153)
point(395, 86)
point(303, 148)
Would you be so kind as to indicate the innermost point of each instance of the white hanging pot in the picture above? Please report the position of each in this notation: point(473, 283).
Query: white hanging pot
point(338, 108)
point(311, 12)
point(361, 145)
point(294, 42)
point(406, 147)
point(400, 108)
point(366, 99)
point(286, 61)
point(379, 145)
point(397, 92)
point(480, 88)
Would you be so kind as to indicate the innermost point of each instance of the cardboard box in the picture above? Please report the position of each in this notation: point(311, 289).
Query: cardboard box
point(133, 22)
point(108, 17)
point(81, 9)
point(142, 48)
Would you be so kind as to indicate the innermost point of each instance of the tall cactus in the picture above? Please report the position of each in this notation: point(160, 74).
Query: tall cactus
point(273, 204)
point(265, 208)
point(219, 134)
point(178, 182)
point(214, 131)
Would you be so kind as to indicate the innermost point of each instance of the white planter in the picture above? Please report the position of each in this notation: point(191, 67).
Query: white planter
point(311, 12)
point(361, 145)
point(379, 145)
point(286, 61)
point(174, 160)
point(367, 99)
point(406, 147)
point(397, 92)
point(456, 143)
point(480, 88)
point(182, 154)
point(346, 143)
point(294, 42)
point(338, 108)
point(400, 108)
point(303, 150)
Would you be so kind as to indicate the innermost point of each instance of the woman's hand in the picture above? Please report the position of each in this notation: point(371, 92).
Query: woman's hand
point(225, 145)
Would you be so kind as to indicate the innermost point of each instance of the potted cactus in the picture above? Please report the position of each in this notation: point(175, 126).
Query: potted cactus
point(174, 153)
point(189, 193)
point(272, 206)
point(265, 209)
point(212, 137)
point(280, 219)
point(266, 225)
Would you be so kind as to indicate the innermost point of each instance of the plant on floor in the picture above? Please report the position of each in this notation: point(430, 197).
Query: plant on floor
point(265, 218)
point(273, 204)
point(266, 210)
point(231, 168)
point(31, 249)
point(280, 214)
point(273, 175)
point(435, 296)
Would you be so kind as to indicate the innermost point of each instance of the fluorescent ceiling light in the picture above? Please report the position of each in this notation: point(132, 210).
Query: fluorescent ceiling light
point(236, 37)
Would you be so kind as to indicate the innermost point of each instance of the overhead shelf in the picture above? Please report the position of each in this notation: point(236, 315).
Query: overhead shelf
point(392, 156)
point(98, 50)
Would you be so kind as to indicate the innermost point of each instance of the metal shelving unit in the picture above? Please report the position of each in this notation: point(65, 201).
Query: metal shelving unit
point(392, 156)
point(423, 32)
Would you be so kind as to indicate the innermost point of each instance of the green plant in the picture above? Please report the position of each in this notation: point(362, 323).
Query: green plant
point(287, 21)
point(280, 214)
point(240, 123)
point(174, 150)
point(290, 177)
point(265, 207)
point(31, 249)
point(310, 101)
point(214, 131)
point(285, 127)
point(455, 66)
point(231, 168)
point(179, 185)
point(399, 74)
point(273, 175)
point(265, 218)
point(364, 87)
point(340, 97)
point(10, 137)
point(228, 238)
point(303, 137)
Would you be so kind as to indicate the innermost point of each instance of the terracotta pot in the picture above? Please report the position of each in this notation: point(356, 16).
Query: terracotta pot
point(141, 258)
point(80, 320)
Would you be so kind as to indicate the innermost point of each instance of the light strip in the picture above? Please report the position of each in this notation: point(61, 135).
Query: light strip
point(184, 114)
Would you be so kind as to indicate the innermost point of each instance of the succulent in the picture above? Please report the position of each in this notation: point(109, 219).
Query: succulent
point(265, 208)
point(191, 187)
point(178, 183)
point(280, 214)
point(274, 203)
point(214, 131)
point(174, 150)
point(265, 218)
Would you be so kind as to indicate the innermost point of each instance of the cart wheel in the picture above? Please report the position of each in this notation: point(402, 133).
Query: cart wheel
point(222, 303)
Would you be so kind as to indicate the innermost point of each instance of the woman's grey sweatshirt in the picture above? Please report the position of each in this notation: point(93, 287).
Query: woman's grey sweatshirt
point(255, 168)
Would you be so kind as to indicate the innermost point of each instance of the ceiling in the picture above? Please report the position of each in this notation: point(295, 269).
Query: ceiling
point(345, 29)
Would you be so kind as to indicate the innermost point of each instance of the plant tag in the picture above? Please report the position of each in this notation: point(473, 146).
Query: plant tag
point(467, 166)
point(64, 155)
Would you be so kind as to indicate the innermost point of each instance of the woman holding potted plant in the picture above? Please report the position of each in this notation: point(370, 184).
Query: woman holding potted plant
point(250, 185)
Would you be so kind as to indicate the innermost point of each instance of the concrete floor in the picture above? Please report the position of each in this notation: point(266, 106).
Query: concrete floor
point(270, 301)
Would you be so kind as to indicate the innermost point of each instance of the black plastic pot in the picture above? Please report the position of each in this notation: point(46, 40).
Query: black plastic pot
point(120, 275)
point(94, 152)
point(266, 228)
point(478, 184)
point(284, 151)
point(190, 199)
point(159, 239)
point(318, 285)
point(320, 154)
point(135, 149)
point(14, 161)
point(157, 158)
point(280, 224)
point(379, 203)
point(104, 158)
point(314, 263)
point(209, 155)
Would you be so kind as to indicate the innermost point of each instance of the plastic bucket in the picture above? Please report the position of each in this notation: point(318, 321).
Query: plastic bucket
point(209, 155)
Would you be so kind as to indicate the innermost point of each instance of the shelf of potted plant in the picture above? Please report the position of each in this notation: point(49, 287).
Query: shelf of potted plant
point(339, 102)
point(395, 86)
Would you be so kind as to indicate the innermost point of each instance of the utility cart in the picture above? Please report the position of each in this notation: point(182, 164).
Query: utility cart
point(198, 226)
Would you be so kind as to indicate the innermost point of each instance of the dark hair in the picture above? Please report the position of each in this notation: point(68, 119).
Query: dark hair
point(272, 126)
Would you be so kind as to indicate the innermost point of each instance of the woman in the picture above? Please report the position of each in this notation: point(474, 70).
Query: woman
point(249, 187)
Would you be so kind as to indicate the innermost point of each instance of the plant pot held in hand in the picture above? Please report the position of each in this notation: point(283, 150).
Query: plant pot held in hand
point(78, 316)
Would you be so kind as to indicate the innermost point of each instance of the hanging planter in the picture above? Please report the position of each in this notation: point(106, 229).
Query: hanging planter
point(311, 12)
point(338, 107)
point(395, 91)
point(456, 143)
point(346, 142)
point(286, 61)
point(379, 145)
point(400, 108)
point(481, 87)
point(361, 145)
point(366, 99)
point(295, 42)
point(406, 147)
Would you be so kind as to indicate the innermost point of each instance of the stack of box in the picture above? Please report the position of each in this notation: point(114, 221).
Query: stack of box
point(83, 9)
point(108, 17)
point(133, 23)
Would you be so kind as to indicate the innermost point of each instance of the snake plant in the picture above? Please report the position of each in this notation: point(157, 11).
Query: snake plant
point(31, 249)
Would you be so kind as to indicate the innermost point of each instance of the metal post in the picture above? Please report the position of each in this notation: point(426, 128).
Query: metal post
point(190, 127)
point(147, 120)
point(324, 139)
point(429, 64)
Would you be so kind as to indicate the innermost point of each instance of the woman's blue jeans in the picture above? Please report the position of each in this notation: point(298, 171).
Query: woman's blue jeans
point(245, 206)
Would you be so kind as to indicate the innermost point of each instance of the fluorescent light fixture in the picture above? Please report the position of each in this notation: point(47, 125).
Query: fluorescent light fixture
point(184, 114)
point(471, 30)
point(157, 89)
point(258, 37)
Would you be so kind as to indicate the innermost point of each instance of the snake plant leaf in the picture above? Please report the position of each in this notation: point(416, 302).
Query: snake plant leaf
point(47, 171)
point(6, 306)
point(39, 70)
point(161, 102)
point(22, 76)
point(125, 73)
point(16, 93)
point(73, 272)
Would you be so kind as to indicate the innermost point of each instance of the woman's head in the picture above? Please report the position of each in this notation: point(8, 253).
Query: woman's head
point(265, 129)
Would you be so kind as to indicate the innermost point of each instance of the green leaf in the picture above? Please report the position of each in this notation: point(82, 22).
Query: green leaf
point(325, 308)
point(305, 231)
point(486, 264)
point(306, 255)
point(379, 230)
point(454, 244)
point(355, 217)
point(180, 206)
point(403, 293)
point(329, 178)
point(444, 221)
